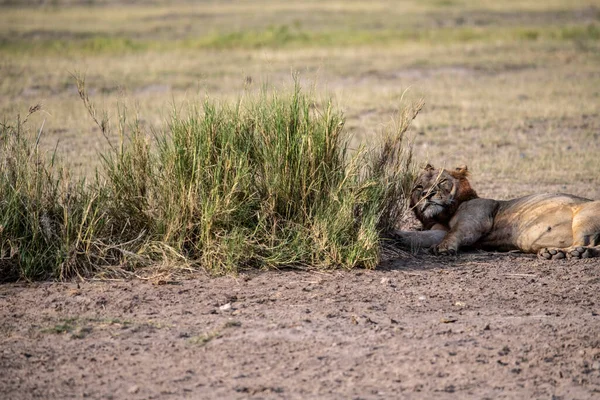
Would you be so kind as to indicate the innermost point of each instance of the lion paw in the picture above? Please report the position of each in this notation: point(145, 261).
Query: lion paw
point(582, 252)
point(442, 251)
point(552, 254)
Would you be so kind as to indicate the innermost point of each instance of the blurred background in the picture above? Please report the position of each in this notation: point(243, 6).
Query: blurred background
point(512, 88)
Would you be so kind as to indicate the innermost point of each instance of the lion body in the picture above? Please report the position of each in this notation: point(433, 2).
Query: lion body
point(453, 216)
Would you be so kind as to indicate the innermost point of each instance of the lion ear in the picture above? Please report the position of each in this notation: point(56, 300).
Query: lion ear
point(462, 170)
point(428, 167)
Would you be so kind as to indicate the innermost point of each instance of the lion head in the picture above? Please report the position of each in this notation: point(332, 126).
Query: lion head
point(437, 193)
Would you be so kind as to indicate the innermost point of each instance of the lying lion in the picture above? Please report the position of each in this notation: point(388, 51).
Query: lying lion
point(554, 226)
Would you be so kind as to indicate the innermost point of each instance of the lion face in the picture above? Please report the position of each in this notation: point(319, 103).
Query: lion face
point(437, 193)
point(433, 192)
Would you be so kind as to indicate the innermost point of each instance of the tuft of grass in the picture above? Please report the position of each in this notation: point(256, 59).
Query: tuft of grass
point(52, 225)
point(49, 222)
point(66, 326)
point(266, 182)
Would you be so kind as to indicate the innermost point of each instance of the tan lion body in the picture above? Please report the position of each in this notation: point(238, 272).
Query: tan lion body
point(552, 225)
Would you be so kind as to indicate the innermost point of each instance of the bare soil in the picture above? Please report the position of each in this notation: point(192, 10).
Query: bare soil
point(479, 325)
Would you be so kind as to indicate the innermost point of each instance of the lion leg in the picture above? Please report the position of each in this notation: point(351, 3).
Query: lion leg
point(473, 220)
point(586, 224)
point(586, 235)
point(419, 239)
point(586, 231)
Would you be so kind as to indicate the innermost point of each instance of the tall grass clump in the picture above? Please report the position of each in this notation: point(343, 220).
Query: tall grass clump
point(265, 182)
point(49, 223)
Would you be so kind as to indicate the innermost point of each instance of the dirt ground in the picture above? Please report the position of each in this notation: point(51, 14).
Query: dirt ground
point(479, 325)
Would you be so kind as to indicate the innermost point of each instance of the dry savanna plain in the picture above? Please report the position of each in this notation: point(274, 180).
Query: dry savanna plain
point(511, 88)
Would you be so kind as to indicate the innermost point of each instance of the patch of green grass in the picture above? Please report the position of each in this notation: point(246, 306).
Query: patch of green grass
point(94, 45)
point(590, 32)
point(274, 36)
point(445, 3)
point(285, 36)
point(66, 326)
point(529, 34)
point(78, 329)
point(205, 338)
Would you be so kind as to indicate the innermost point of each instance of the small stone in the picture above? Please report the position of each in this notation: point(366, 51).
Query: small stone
point(505, 350)
point(450, 389)
point(449, 320)
point(225, 307)
point(133, 389)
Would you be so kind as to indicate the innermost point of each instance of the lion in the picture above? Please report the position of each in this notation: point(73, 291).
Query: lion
point(555, 226)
